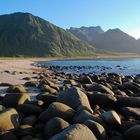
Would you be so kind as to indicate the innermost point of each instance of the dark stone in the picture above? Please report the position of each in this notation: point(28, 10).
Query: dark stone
point(14, 99)
point(57, 109)
point(73, 97)
point(30, 120)
point(103, 100)
point(24, 130)
point(75, 132)
point(97, 129)
point(47, 98)
point(54, 126)
point(132, 133)
point(17, 89)
point(98, 87)
point(112, 119)
point(85, 80)
point(128, 102)
point(29, 109)
point(131, 112)
point(8, 136)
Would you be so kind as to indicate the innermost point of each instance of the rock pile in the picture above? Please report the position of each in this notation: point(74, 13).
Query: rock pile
point(82, 107)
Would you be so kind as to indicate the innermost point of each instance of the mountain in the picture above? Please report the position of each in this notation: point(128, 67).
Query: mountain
point(22, 34)
point(112, 40)
point(89, 34)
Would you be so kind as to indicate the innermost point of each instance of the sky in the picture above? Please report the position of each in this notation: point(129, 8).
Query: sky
point(109, 14)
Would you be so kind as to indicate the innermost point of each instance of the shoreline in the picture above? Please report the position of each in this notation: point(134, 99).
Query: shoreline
point(91, 58)
point(14, 70)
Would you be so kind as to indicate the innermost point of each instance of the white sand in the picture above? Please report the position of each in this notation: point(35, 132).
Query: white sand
point(25, 66)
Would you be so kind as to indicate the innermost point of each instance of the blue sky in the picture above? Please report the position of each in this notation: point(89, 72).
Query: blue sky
point(123, 14)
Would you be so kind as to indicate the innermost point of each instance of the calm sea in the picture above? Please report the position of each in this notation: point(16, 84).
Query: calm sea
point(127, 66)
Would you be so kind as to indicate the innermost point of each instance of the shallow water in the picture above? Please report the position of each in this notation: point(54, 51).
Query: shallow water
point(127, 66)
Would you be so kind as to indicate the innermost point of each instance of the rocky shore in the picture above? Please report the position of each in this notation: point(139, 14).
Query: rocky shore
point(71, 106)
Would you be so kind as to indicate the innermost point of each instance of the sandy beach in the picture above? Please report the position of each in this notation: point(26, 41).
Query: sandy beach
point(13, 71)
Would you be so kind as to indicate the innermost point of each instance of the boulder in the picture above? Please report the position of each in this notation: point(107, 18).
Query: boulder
point(131, 112)
point(132, 133)
point(98, 87)
point(73, 97)
point(30, 120)
point(85, 80)
point(14, 99)
point(46, 98)
point(119, 92)
point(2, 108)
point(5, 84)
point(70, 81)
point(57, 109)
point(81, 107)
point(112, 119)
point(29, 109)
point(8, 136)
point(31, 84)
point(128, 102)
point(45, 81)
point(54, 126)
point(103, 100)
point(75, 132)
point(82, 116)
point(46, 88)
point(24, 130)
point(125, 125)
point(36, 102)
point(9, 119)
point(95, 78)
point(131, 86)
point(97, 129)
point(17, 89)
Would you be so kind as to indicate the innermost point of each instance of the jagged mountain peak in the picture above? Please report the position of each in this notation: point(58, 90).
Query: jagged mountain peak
point(112, 40)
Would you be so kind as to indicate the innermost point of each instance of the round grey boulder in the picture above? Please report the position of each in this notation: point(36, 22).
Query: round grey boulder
point(73, 97)
point(82, 116)
point(97, 129)
point(99, 87)
point(57, 109)
point(112, 119)
point(54, 126)
point(103, 100)
point(75, 132)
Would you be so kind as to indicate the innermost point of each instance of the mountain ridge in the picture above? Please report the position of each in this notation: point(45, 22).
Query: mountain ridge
point(29, 35)
point(112, 40)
